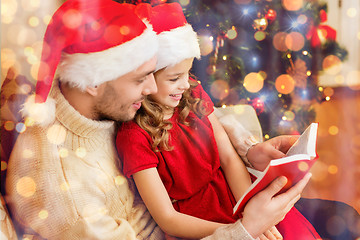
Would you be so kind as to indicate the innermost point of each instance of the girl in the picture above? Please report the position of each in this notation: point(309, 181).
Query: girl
point(182, 161)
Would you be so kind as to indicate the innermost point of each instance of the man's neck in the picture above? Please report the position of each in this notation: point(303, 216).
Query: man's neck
point(81, 101)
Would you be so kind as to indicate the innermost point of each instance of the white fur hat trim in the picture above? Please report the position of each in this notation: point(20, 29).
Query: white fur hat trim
point(177, 45)
point(91, 69)
point(41, 113)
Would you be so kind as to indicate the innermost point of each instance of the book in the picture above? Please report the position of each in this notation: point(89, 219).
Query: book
point(294, 166)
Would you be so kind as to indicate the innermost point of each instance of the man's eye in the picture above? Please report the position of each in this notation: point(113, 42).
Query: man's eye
point(141, 80)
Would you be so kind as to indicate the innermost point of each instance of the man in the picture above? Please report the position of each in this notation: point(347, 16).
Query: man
point(64, 179)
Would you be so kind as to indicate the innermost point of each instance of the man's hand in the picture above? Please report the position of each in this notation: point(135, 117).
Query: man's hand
point(261, 154)
point(265, 210)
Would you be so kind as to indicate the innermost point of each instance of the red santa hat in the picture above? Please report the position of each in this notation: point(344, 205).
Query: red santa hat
point(87, 43)
point(177, 39)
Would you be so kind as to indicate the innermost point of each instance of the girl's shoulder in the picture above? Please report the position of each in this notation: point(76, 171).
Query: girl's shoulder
point(130, 128)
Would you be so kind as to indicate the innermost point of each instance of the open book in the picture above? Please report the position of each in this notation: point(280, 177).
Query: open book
point(298, 161)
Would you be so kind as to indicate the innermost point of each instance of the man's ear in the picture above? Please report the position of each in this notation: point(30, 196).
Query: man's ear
point(93, 91)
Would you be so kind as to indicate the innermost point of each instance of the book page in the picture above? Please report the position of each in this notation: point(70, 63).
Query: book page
point(306, 143)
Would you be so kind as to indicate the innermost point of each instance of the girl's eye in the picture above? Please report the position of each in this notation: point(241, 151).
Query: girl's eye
point(174, 79)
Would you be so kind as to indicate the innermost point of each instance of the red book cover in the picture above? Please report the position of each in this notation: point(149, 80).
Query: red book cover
point(298, 161)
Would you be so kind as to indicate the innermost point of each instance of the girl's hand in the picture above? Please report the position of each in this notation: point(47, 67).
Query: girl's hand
point(271, 234)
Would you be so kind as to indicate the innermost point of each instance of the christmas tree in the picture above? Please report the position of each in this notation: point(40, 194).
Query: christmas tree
point(266, 53)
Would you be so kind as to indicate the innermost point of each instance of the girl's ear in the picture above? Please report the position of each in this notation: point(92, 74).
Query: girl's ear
point(93, 91)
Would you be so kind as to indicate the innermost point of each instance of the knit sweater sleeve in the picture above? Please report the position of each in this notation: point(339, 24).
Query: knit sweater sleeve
point(43, 201)
point(235, 231)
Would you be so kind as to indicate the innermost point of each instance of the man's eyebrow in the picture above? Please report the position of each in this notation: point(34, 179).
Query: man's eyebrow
point(148, 73)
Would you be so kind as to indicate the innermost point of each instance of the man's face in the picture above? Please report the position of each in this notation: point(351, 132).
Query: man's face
point(120, 99)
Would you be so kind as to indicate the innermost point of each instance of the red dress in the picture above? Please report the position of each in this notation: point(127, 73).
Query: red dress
point(191, 172)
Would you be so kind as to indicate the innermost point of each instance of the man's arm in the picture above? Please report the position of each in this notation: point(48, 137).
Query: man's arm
point(42, 198)
point(261, 154)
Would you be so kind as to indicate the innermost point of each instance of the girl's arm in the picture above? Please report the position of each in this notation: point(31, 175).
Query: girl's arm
point(235, 171)
point(157, 201)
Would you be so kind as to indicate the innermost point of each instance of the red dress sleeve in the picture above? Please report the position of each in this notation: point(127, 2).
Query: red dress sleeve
point(134, 148)
point(199, 92)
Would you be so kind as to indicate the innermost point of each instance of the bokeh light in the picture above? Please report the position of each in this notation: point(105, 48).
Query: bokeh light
point(43, 214)
point(27, 153)
point(284, 84)
point(26, 186)
point(259, 35)
point(184, 3)
point(34, 21)
point(219, 89)
point(8, 10)
point(81, 152)
point(110, 34)
point(63, 152)
point(9, 125)
point(332, 64)
point(20, 127)
point(46, 19)
point(279, 41)
point(303, 166)
point(120, 180)
point(56, 134)
point(30, 5)
point(231, 33)
point(253, 82)
point(3, 165)
point(351, 12)
point(21, 35)
point(328, 91)
point(333, 169)
point(294, 41)
point(290, 115)
point(205, 42)
point(72, 19)
point(292, 5)
point(333, 130)
point(302, 19)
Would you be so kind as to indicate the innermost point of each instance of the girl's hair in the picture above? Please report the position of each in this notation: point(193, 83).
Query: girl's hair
point(150, 117)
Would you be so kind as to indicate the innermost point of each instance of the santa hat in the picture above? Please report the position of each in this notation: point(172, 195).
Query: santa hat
point(177, 39)
point(89, 42)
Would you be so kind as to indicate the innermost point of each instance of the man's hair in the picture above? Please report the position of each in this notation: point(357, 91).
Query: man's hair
point(150, 117)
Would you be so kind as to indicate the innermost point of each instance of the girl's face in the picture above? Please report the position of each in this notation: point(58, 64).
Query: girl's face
point(171, 83)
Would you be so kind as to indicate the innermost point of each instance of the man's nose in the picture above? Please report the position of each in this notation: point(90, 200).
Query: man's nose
point(150, 86)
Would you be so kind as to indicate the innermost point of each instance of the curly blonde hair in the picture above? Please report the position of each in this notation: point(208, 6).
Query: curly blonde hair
point(150, 117)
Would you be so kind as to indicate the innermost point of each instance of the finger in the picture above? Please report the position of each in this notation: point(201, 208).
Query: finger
point(284, 142)
point(295, 190)
point(275, 186)
point(276, 233)
point(262, 237)
point(269, 235)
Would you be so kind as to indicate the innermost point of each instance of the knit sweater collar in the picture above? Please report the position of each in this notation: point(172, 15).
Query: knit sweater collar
point(73, 120)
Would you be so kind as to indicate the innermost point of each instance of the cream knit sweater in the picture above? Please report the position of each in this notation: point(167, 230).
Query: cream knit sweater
point(64, 181)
